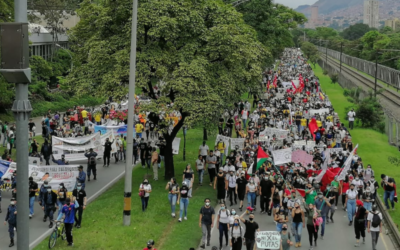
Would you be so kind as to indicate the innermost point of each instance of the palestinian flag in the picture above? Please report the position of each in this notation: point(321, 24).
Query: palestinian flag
point(261, 157)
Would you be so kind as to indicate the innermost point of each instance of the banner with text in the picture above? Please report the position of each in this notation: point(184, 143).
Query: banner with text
point(282, 156)
point(237, 142)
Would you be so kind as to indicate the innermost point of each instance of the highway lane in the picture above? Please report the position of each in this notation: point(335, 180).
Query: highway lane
point(338, 235)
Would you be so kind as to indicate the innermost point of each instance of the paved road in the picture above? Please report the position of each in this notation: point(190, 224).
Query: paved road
point(338, 235)
point(38, 229)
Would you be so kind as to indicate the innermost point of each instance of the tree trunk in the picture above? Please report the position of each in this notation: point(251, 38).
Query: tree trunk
point(205, 134)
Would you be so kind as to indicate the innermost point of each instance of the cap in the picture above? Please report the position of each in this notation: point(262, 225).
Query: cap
point(359, 203)
point(150, 243)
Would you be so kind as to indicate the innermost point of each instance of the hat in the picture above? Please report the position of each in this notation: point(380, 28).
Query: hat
point(80, 167)
point(221, 168)
point(150, 243)
point(359, 203)
point(46, 182)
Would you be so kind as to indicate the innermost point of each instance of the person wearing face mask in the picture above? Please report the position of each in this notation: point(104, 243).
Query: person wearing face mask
point(11, 218)
point(251, 189)
point(280, 218)
point(79, 195)
point(368, 173)
point(188, 176)
point(184, 200)
point(298, 222)
point(240, 189)
point(359, 185)
point(367, 199)
point(33, 188)
point(232, 217)
point(223, 224)
point(359, 222)
point(150, 245)
point(285, 238)
point(351, 196)
point(219, 184)
point(373, 184)
point(68, 209)
point(62, 196)
point(81, 179)
point(236, 235)
point(212, 162)
point(145, 190)
point(322, 205)
point(230, 185)
point(251, 229)
point(311, 193)
point(173, 193)
point(312, 214)
point(49, 202)
point(206, 222)
point(266, 189)
point(374, 225)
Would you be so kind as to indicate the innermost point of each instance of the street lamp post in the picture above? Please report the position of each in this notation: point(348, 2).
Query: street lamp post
point(72, 65)
point(184, 142)
point(376, 72)
point(341, 52)
point(131, 113)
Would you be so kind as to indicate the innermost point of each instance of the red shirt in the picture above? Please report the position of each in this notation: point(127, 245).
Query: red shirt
point(345, 187)
point(149, 249)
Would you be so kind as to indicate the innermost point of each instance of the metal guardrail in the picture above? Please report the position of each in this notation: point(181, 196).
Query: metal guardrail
point(391, 228)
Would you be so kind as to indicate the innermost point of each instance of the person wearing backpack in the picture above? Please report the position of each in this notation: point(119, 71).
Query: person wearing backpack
point(236, 232)
point(69, 209)
point(359, 222)
point(206, 222)
point(11, 218)
point(318, 136)
point(91, 167)
point(374, 225)
point(223, 224)
point(46, 151)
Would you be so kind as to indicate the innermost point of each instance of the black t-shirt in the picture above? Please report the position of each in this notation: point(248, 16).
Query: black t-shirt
point(143, 147)
point(32, 185)
point(79, 196)
point(34, 147)
point(31, 125)
point(152, 126)
point(241, 182)
point(62, 194)
point(266, 186)
point(251, 228)
point(107, 147)
point(230, 123)
point(387, 187)
point(184, 191)
point(207, 215)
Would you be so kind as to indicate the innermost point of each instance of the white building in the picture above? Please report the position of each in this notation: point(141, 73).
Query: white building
point(371, 13)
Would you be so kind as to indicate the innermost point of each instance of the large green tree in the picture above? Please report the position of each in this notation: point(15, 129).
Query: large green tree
point(202, 51)
point(355, 31)
point(272, 22)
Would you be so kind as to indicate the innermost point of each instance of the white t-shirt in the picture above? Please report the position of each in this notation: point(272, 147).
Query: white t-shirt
point(224, 216)
point(351, 194)
point(351, 115)
point(369, 218)
point(231, 180)
point(146, 188)
point(200, 164)
point(203, 149)
point(228, 168)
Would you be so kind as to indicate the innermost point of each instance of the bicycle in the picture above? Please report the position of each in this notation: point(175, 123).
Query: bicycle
point(58, 231)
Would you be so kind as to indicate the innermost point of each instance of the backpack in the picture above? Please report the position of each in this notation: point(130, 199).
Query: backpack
point(92, 160)
point(227, 212)
point(45, 148)
point(240, 231)
point(318, 136)
point(376, 220)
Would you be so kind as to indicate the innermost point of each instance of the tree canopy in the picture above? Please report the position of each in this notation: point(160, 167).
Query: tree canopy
point(202, 50)
point(356, 31)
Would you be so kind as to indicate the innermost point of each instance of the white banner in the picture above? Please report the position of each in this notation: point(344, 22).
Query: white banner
point(319, 111)
point(310, 143)
point(268, 240)
point(34, 160)
point(347, 165)
point(282, 156)
point(175, 145)
point(110, 135)
point(237, 142)
point(74, 148)
point(279, 133)
point(56, 174)
point(300, 143)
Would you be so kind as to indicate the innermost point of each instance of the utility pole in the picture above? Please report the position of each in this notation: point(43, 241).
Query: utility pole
point(15, 69)
point(376, 71)
point(184, 142)
point(341, 52)
point(131, 114)
point(326, 52)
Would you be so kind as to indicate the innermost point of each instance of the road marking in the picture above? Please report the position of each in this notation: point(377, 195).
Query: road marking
point(384, 242)
point(91, 198)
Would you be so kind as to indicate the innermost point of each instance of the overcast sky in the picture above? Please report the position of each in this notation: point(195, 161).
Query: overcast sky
point(295, 3)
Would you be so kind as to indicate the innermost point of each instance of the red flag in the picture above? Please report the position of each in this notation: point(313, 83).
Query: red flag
point(312, 126)
point(294, 86)
point(275, 80)
point(302, 192)
point(268, 85)
point(328, 177)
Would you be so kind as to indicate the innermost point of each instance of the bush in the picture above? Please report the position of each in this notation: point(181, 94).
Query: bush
point(325, 72)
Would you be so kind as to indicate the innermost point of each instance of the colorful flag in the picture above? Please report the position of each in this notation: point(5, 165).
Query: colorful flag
point(321, 96)
point(275, 81)
point(347, 164)
point(294, 87)
point(261, 157)
point(268, 85)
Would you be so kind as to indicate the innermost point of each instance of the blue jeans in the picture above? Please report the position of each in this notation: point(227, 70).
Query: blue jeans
point(351, 209)
point(139, 134)
point(172, 200)
point(279, 227)
point(368, 205)
point(189, 184)
point(31, 204)
point(388, 195)
point(60, 204)
point(184, 203)
point(148, 163)
point(145, 202)
point(4, 139)
point(201, 173)
point(297, 227)
point(338, 145)
point(323, 225)
point(244, 123)
point(251, 198)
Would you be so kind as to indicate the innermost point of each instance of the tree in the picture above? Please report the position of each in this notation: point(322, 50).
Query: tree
point(6, 10)
point(355, 31)
point(202, 51)
point(272, 22)
point(334, 77)
point(314, 58)
point(309, 49)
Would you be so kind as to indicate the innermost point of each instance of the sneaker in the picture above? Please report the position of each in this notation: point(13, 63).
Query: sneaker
point(180, 219)
point(357, 244)
point(332, 220)
point(79, 226)
point(30, 216)
point(70, 244)
point(322, 237)
point(185, 218)
point(203, 246)
point(173, 215)
point(392, 209)
point(51, 225)
point(311, 248)
point(208, 243)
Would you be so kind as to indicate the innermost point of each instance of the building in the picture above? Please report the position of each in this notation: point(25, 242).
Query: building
point(314, 13)
point(371, 13)
point(393, 23)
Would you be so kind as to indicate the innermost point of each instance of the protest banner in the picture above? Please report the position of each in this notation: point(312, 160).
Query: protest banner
point(237, 142)
point(268, 240)
point(75, 148)
point(34, 160)
point(310, 143)
point(4, 166)
point(117, 129)
point(319, 111)
point(175, 145)
point(54, 174)
point(111, 137)
point(282, 156)
point(301, 156)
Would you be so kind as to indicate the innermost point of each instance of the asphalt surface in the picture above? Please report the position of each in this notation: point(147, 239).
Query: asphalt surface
point(338, 235)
